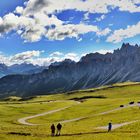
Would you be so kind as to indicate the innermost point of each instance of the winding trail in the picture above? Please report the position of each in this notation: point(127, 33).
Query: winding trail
point(102, 113)
point(24, 120)
point(116, 109)
point(115, 126)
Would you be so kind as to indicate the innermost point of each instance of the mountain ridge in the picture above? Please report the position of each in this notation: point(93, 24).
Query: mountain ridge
point(93, 70)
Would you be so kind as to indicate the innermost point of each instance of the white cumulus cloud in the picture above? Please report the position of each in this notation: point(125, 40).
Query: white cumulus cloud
point(37, 18)
point(102, 51)
point(34, 57)
point(104, 32)
point(26, 55)
point(72, 56)
point(70, 31)
point(56, 54)
point(121, 34)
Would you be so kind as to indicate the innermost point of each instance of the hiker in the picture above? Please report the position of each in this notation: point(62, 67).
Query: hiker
point(52, 130)
point(139, 105)
point(59, 126)
point(109, 126)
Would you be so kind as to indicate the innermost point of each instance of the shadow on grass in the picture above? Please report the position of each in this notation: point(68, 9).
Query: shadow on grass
point(88, 97)
point(68, 135)
point(84, 133)
point(20, 133)
point(44, 135)
point(98, 132)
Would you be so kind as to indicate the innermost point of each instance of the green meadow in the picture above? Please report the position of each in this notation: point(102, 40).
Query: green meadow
point(88, 104)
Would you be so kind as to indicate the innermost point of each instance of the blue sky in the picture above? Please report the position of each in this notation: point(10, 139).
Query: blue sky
point(44, 31)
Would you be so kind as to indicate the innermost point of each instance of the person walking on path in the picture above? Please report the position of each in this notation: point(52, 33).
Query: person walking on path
point(139, 105)
point(59, 126)
point(109, 126)
point(52, 130)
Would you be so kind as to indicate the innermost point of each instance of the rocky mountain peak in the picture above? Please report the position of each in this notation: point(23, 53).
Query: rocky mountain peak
point(92, 70)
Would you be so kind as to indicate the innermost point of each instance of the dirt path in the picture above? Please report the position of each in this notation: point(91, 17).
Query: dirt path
point(115, 126)
point(116, 109)
point(24, 120)
point(102, 113)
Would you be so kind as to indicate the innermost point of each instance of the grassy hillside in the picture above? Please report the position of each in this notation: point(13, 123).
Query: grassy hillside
point(85, 103)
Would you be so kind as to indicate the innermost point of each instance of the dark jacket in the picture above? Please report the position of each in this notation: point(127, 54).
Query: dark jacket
point(59, 126)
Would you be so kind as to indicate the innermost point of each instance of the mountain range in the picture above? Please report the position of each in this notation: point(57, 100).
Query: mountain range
point(22, 68)
point(93, 70)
